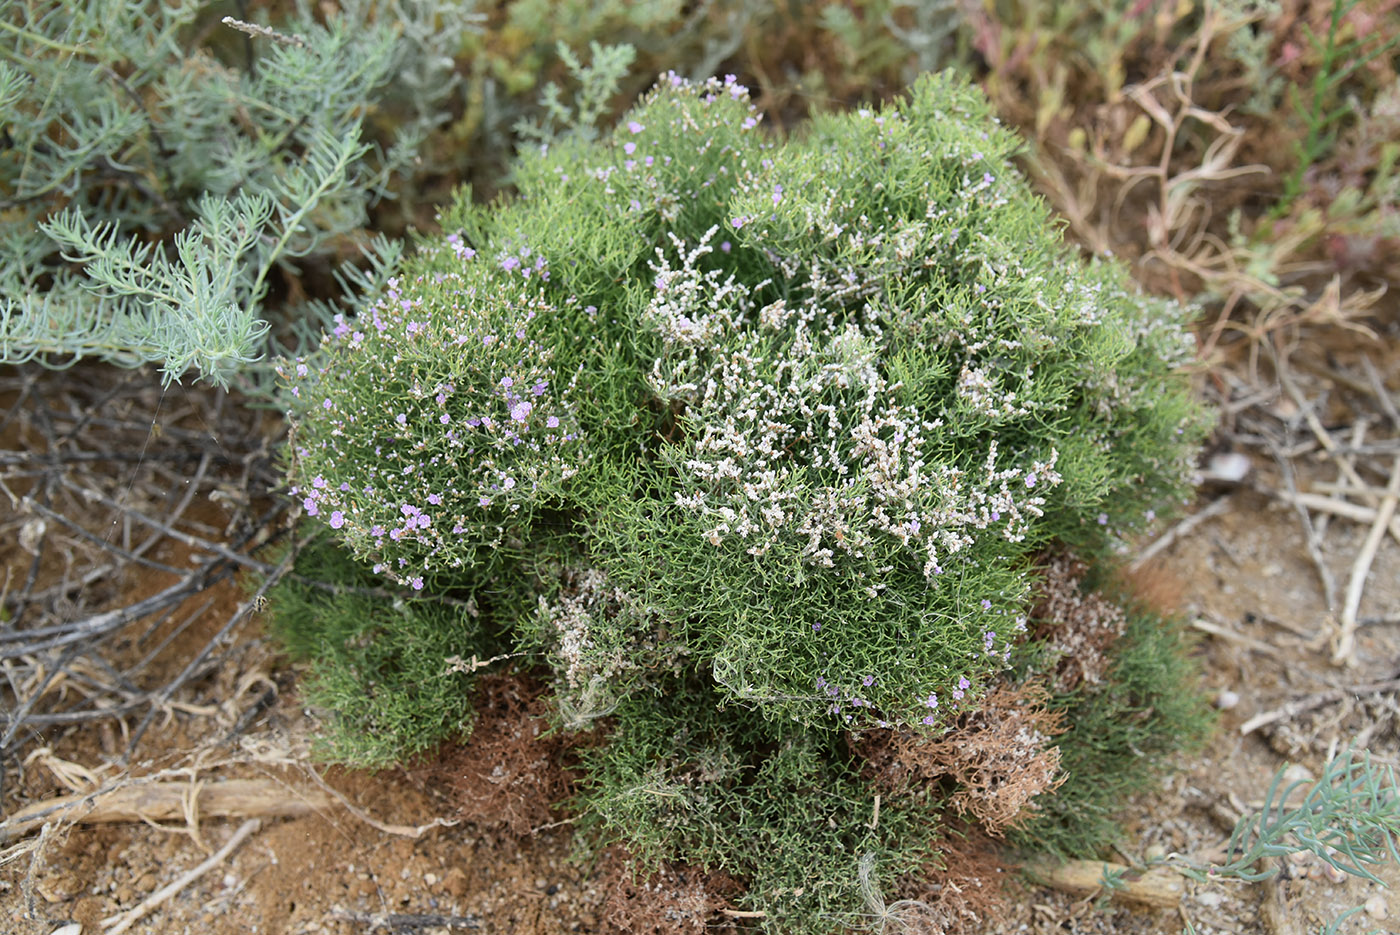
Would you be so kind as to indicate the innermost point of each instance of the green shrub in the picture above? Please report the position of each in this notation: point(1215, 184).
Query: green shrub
point(389, 672)
point(761, 440)
point(814, 403)
point(781, 808)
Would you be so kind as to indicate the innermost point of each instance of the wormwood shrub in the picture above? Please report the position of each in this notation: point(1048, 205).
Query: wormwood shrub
point(161, 173)
point(753, 444)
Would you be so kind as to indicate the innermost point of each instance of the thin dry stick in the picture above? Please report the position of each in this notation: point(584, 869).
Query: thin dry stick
point(1324, 574)
point(160, 801)
point(1311, 702)
point(401, 830)
point(120, 923)
point(1346, 637)
point(1362, 514)
point(1159, 888)
point(1214, 629)
point(1214, 509)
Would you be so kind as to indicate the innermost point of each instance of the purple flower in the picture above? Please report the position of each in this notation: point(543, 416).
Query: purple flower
point(510, 263)
point(417, 584)
point(634, 126)
point(401, 419)
point(444, 418)
point(552, 422)
point(816, 627)
point(310, 505)
point(520, 411)
point(929, 721)
point(326, 404)
point(629, 148)
point(484, 501)
point(434, 499)
point(986, 604)
point(868, 681)
point(337, 519)
point(539, 388)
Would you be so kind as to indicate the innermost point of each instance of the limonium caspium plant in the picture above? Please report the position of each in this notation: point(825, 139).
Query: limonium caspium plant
point(810, 406)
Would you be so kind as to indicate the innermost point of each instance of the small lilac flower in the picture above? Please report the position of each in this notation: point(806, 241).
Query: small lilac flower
point(318, 482)
point(634, 126)
point(401, 419)
point(539, 388)
point(310, 505)
point(507, 382)
point(552, 422)
point(337, 519)
point(444, 418)
point(629, 148)
point(520, 411)
point(326, 403)
point(510, 263)
point(345, 487)
point(868, 681)
point(1103, 519)
point(986, 604)
point(725, 246)
point(929, 721)
point(434, 499)
point(816, 627)
point(931, 701)
point(417, 584)
point(1030, 480)
point(484, 501)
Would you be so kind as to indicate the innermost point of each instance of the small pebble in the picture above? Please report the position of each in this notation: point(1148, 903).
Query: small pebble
point(1375, 907)
point(1231, 467)
point(1227, 700)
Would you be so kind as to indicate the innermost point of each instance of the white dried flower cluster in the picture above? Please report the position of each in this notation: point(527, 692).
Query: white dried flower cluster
point(600, 634)
point(797, 435)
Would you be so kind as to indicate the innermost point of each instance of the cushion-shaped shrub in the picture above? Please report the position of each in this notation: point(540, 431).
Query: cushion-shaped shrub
point(798, 411)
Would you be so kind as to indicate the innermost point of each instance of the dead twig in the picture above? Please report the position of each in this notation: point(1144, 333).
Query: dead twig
point(120, 923)
point(1313, 701)
point(405, 922)
point(1346, 635)
point(162, 801)
point(1159, 887)
point(1212, 510)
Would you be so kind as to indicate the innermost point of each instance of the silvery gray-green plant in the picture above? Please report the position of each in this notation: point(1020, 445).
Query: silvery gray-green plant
point(159, 168)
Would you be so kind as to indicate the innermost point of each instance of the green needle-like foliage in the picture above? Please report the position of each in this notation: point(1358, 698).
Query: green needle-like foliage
point(390, 670)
